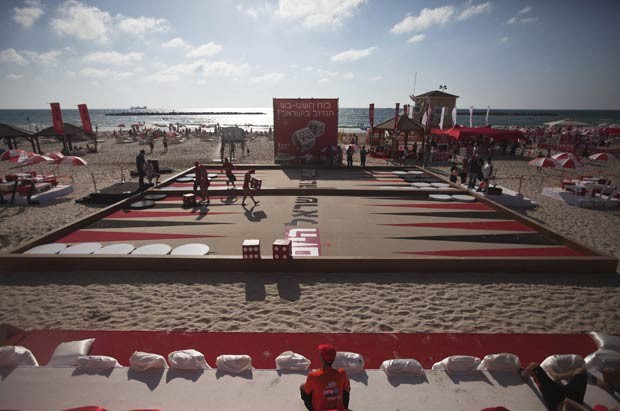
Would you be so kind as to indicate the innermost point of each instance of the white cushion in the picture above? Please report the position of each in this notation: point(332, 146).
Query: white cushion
point(561, 363)
point(601, 359)
point(352, 362)
point(16, 356)
point(234, 363)
point(67, 353)
point(457, 364)
point(96, 363)
point(142, 361)
point(606, 341)
point(402, 366)
point(188, 360)
point(502, 362)
point(291, 361)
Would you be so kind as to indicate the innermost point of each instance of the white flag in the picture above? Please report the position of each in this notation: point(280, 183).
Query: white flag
point(454, 117)
point(471, 113)
point(443, 112)
point(486, 122)
point(424, 119)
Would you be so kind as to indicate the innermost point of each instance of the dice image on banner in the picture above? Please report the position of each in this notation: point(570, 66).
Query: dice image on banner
point(317, 127)
point(256, 183)
point(282, 249)
point(251, 249)
point(304, 138)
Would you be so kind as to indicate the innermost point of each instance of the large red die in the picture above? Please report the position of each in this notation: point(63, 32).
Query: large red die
point(189, 200)
point(282, 250)
point(256, 183)
point(251, 249)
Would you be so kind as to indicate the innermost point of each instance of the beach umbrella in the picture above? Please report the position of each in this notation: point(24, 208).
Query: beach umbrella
point(602, 157)
point(21, 157)
point(562, 156)
point(10, 154)
point(121, 125)
point(569, 163)
point(35, 159)
point(71, 161)
point(543, 162)
point(54, 154)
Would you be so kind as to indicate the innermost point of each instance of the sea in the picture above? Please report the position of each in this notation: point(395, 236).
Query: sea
point(261, 118)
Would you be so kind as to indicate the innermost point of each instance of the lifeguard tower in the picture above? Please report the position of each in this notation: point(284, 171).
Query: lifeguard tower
point(437, 99)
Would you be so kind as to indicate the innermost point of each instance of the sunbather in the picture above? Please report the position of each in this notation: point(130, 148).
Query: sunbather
point(558, 396)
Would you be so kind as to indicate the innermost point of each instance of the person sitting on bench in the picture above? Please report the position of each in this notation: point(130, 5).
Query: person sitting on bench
point(326, 388)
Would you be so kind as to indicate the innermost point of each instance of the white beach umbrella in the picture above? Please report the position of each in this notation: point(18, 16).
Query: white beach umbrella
point(543, 162)
point(54, 154)
point(11, 154)
point(562, 156)
point(71, 161)
point(602, 157)
point(35, 159)
point(569, 163)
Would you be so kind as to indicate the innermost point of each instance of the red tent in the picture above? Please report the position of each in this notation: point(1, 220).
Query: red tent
point(458, 132)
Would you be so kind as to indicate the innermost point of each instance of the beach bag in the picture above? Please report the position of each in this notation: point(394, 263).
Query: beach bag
point(604, 340)
point(457, 364)
point(234, 364)
point(95, 363)
point(291, 361)
point(142, 361)
point(188, 360)
point(17, 356)
point(503, 362)
point(352, 363)
point(601, 359)
point(67, 353)
point(562, 363)
point(402, 367)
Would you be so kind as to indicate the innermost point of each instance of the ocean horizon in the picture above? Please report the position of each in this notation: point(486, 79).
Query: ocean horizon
point(349, 117)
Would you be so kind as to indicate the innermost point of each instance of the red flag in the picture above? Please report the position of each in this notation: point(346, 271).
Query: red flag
point(396, 119)
point(86, 124)
point(371, 115)
point(57, 118)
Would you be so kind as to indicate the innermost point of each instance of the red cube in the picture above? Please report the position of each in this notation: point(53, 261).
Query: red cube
point(251, 249)
point(282, 250)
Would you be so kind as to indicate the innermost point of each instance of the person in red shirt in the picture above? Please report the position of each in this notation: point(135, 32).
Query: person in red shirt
point(326, 388)
point(246, 187)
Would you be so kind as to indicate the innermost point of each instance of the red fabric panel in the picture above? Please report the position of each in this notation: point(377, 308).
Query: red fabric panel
point(265, 347)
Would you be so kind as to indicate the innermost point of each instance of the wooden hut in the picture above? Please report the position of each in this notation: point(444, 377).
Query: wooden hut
point(10, 134)
point(70, 135)
point(437, 99)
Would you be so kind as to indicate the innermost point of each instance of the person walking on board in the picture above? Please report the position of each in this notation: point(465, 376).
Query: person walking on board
point(247, 191)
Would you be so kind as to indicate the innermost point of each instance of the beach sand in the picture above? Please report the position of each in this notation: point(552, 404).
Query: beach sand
point(327, 302)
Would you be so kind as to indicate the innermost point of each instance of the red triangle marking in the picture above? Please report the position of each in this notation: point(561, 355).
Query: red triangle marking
point(149, 214)
point(473, 225)
point(446, 206)
point(503, 252)
point(80, 236)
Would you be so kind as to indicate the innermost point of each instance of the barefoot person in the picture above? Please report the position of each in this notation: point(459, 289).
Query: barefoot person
point(559, 396)
point(326, 388)
point(246, 187)
point(202, 181)
point(228, 169)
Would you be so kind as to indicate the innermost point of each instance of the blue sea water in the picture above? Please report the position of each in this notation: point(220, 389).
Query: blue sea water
point(348, 117)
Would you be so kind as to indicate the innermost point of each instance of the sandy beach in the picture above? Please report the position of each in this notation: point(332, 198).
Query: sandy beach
point(332, 302)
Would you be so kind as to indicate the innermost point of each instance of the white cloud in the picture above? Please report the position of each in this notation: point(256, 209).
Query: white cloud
point(323, 72)
point(96, 73)
point(504, 39)
point(324, 80)
point(113, 58)
point(247, 10)
point(474, 10)
point(314, 13)
point(142, 25)
point(26, 16)
point(418, 38)
point(81, 21)
point(14, 76)
point(375, 78)
point(525, 10)
point(352, 55)
point(200, 67)
point(523, 20)
point(47, 59)
point(426, 19)
point(271, 77)
point(176, 42)
point(348, 76)
point(12, 56)
point(206, 50)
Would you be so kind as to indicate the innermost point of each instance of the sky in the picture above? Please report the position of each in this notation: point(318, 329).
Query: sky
point(240, 53)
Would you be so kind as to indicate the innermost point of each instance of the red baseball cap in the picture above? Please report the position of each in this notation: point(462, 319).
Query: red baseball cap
point(328, 352)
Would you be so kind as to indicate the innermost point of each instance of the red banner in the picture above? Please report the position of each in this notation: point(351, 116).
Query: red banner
point(396, 119)
point(86, 124)
point(57, 118)
point(371, 115)
point(304, 127)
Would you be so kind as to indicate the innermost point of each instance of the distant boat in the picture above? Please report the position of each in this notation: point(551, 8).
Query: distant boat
point(138, 108)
